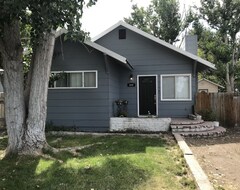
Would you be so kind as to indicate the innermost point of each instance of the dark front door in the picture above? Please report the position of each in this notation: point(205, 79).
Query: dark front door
point(147, 95)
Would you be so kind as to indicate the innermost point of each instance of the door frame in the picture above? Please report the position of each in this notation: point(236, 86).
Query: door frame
point(138, 107)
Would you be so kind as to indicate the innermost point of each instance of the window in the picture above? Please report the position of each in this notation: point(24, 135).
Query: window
point(73, 79)
point(176, 87)
point(122, 34)
point(203, 90)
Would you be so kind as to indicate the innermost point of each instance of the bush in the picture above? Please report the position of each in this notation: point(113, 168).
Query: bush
point(208, 115)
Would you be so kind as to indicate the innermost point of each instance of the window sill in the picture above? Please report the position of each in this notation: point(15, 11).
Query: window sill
point(72, 88)
point(174, 100)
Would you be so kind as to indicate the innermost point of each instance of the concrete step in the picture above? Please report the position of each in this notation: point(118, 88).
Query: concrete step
point(217, 131)
point(185, 121)
point(203, 126)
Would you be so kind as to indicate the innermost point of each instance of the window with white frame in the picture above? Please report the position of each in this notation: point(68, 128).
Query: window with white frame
point(176, 87)
point(73, 79)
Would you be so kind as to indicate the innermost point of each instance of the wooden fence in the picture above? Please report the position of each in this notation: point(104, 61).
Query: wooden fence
point(226, 107)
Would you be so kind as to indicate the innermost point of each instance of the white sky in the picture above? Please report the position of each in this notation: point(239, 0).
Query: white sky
point(106, 13)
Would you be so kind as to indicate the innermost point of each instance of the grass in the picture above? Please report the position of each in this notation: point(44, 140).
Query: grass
point(106, 163)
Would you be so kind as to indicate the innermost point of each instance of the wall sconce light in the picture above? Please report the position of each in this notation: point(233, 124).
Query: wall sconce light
point(131, 77)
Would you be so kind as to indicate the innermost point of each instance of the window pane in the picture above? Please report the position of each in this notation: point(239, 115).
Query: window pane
point(168, 87)
point(81, 79)
point(75, 79)
point(89, 79)
point(61, 80)
point(182, 87)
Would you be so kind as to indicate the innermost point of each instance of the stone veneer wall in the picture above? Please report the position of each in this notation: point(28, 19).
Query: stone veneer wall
point(139, 124)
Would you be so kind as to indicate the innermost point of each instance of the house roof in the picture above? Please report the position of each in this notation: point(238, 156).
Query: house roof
point(109, 53)
point(157, 40)
point(211, 82)
point(100, 48)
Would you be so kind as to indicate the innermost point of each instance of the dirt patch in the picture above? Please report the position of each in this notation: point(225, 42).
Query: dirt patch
point(219, 158)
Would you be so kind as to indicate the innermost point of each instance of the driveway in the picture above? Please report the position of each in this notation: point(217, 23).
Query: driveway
point(220, 158)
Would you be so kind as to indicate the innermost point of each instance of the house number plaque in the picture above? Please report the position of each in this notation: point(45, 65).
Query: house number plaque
point(131, 84)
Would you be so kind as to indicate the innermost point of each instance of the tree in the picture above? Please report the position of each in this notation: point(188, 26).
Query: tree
point(223, 18)
point(25, 105)
point(161, 19)
point(140, 18)
point(211, 48)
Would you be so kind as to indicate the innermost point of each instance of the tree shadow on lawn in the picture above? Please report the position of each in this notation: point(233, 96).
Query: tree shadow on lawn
point(29, 173)
point(101, 164)
point(91, 146)
point(110, 174)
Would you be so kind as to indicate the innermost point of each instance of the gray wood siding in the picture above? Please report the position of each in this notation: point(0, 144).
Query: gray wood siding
point(149, 58)
point(116, 71)
point(114, 81)
point(85, 109)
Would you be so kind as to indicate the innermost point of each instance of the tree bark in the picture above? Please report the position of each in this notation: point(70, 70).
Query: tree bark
point(234, 61)
point(228, 82)
point(11, 51)
point(230, 77)
point(25, 121)
point(34, 136)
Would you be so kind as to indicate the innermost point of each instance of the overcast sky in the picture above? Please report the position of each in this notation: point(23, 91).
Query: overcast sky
point(106, 13)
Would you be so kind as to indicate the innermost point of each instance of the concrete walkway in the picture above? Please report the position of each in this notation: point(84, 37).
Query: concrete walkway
point(199, 175)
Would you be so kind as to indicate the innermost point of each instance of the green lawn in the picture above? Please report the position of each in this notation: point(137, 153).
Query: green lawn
point(103, 163)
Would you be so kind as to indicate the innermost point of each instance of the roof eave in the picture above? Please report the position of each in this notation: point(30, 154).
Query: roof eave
point(157, 40)
point(109, 53)
point(129, 65)
point(211, 82)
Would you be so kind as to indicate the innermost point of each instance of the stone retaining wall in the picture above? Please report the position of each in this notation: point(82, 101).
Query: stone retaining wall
point(139, 124)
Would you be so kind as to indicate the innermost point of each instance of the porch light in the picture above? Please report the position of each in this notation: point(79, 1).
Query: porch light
point(131, 77)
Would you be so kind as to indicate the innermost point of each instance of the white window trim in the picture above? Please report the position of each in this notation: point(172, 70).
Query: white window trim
point(176, 75)
point(82, 71)
point(138, 108)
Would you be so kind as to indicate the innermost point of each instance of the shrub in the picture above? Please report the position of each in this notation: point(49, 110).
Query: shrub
point(208, 115)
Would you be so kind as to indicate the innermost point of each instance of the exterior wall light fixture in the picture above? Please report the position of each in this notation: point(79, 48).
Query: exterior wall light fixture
point(131, 77)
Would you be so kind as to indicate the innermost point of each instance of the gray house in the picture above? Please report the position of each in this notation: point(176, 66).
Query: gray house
point(157, 79)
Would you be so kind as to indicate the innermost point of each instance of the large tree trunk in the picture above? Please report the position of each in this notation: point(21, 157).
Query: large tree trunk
point(34, 137)
point(11, 51)
point(228, 81)
point(230, 73)
point(25, 121)
point(232, 82)
point(234, 61)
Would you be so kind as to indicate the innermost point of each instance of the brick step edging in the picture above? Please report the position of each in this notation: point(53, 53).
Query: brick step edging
point(186, 122)
point(217, 131)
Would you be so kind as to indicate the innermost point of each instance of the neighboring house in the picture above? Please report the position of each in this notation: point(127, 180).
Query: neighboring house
point(208, 86)
point(156, 78)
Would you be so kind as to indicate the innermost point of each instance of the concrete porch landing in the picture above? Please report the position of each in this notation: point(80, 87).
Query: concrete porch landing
point(195, 128)
point(140, 124)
